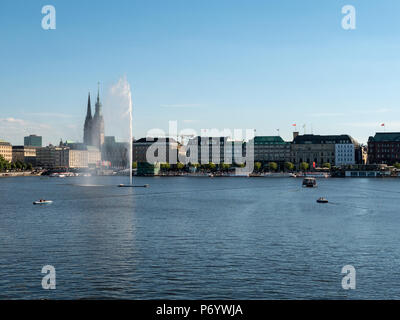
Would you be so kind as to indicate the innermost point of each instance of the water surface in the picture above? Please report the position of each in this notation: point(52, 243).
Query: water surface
point(199, 238)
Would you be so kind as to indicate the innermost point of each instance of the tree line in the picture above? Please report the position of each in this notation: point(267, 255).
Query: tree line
point(258, 166)
point(17, 165)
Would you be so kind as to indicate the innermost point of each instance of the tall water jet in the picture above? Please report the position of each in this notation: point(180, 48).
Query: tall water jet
point(120, 98)
point(130, 132)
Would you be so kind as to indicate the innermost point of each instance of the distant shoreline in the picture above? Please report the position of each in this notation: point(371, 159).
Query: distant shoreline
point(19, 174)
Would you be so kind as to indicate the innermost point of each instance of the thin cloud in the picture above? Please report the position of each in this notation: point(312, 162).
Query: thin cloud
point(13, 121)
point(51, 114)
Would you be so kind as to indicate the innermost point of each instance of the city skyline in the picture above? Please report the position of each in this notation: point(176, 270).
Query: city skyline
point(194, 63)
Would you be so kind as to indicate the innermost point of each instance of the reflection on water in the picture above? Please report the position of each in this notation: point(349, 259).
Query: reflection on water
point(192, 238)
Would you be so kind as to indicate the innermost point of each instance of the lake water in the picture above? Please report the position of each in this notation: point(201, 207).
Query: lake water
point(199, 238)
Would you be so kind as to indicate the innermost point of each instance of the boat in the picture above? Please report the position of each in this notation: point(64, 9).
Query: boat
point(41, 201)
point(322, 200)
point(309, 182)
point(132, 186)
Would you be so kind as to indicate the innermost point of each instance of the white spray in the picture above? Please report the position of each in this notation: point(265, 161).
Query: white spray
point(130, 133)
point(121, 99)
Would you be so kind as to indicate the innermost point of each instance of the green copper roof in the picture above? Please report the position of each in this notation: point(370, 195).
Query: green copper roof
point(269, 140)
point(385, 136)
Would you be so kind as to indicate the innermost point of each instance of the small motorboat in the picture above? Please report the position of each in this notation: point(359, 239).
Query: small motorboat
point(133, 186)
point(309, 182)
point(41, 201)
point(322, 200)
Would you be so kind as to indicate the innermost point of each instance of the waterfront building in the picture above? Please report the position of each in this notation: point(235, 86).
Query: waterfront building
point(344, 154)
point(319, 149)
point(148, 169)
point(217, 150)
point(271, 149)
point(93, 131)
point(50, 157)
point(115, 152)
point(165, 150)
point(62, 156)
point(367, 171)
point(25, 154)
point(76, 159)
point(6, 150)
point(93, 154)
point(33, 141)
point(384, 148)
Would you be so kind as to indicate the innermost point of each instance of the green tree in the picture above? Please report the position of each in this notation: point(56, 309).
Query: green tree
point(289, 166)
point(165, 166)
point(29, 166)
point(180, 166)
point(326, 165)
point(397, 165)
point(18, 165)
point(257, 166)
point(240, 165)
point(304, 166)
point(225, 166)
point(272, 166)
point(3, 163)
point(211, 166)
point(134, 165)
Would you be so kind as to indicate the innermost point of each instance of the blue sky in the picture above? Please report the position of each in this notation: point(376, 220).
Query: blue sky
point(259, 64)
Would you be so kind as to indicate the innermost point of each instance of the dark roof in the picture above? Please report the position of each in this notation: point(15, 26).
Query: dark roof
point(317, 139)
point(152, 140)
point(385, 137)
point(269, 140)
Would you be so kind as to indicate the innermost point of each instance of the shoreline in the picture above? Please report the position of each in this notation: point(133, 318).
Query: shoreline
point(19, 174)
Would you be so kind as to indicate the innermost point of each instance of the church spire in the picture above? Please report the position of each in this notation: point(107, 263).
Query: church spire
point(89, 109)
point(98, 92)
point(87, 129)
point(98, 103)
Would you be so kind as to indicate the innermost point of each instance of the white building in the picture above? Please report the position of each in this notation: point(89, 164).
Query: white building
point(345, 154)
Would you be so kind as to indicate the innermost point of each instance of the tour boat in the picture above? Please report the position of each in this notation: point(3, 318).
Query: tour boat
point(132, 186)
point(309, 182)
point(41, 201)
point(322, 200)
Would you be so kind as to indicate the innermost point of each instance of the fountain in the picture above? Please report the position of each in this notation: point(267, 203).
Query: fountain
point(130, 185)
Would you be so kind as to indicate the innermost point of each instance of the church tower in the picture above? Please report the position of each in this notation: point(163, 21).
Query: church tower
point(98, 124)
point(87, 129)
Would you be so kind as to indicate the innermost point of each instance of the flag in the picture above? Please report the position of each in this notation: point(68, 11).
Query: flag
point(382, 124)
point(293, 124)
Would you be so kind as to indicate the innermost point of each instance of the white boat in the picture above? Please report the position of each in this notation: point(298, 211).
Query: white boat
point(309, 182)
point(43, 202)
point(277, 175)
